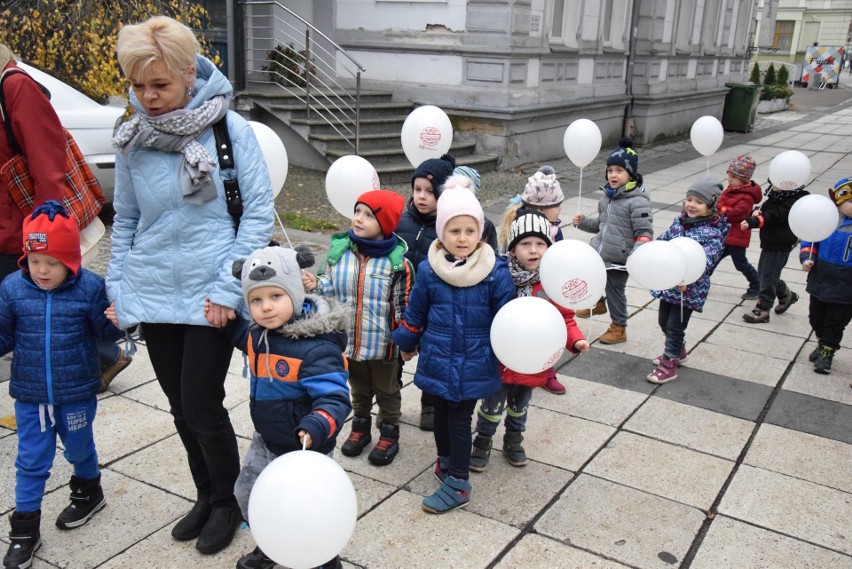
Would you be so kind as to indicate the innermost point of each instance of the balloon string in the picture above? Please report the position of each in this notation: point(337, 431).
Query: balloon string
point(286, 236)
point(305, 443)
point(708, 166)
point(810, 254)
point(681, 307)
point(580, 191)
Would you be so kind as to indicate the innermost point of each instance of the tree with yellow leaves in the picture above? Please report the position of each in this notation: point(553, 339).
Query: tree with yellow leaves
point(75, 39)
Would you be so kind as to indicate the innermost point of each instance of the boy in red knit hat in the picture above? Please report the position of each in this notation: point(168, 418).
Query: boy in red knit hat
point(51, 312)
point(366, 269)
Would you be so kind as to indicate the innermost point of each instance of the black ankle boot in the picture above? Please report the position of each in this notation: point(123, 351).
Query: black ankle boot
point(217, 533)
point(388, 446)
point(189, 527)
point(25, 537)
point(87, 499)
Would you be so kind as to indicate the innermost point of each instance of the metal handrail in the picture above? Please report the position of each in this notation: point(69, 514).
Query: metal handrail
point(285, 50)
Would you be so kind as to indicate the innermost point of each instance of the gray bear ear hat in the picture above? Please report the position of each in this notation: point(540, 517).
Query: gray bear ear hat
point(275, 266)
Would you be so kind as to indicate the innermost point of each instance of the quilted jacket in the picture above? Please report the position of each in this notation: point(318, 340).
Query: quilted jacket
point(53, 335)
point(298, 376)
point(622, 219)
point(168, 255)
point(710, 234)
point(418, 232)
point(453, 326)
point(375, 288)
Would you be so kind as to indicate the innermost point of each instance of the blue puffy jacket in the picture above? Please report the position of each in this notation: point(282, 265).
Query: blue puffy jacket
point(830, 279)
point(453, 326)
point(168, 255)
point(53, 335)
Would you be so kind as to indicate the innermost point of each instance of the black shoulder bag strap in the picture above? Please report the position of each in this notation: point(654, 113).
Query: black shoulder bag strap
point(227, 171)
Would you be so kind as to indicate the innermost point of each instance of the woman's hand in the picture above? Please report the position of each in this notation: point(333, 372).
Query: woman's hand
point(218, 315)
point(111, 315)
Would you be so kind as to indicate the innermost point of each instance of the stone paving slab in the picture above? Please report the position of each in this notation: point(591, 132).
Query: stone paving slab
point(620, 523)
point(732, 544)
point(821, 417)
point(550, 553)
point(791, 506)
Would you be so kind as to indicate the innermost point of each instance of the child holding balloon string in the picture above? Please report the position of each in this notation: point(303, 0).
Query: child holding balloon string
point(544, 195)
point(366, 269)
point(777, 240)
point(624, 222)
point(529, 238)
point(459, 290)
point(294, 344)
point(829, 267)
point(698, 221)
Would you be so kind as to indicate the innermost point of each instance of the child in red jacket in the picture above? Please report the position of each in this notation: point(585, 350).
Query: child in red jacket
point(529, 238)
point(738, 201)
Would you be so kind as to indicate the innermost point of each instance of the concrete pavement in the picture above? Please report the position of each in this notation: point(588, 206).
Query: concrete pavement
point(744, 461)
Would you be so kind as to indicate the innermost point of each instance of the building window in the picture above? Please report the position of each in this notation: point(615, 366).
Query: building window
point(783, 40)
point(565, 23)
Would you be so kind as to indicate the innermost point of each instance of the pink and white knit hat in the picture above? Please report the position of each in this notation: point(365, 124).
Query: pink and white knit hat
point(542, 190)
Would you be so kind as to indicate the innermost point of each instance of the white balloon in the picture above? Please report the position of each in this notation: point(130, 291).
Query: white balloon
point(813, 218)
point(89, 238)
point(274, 154)
point(789, 170)
point(573, 274)
point(302, 509)
point(347, 178)
point(706, 135)
point(528, 335)
point(582, 142)
point(426, 133)
point(657, 265)
point(696, 258)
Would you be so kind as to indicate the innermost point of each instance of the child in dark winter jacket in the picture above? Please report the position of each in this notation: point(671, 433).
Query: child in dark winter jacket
point(458, 292)
point(737, 202)
point(294, 343)
point(700, 222)
point(829, 267)
point(366, 269)
point(51, 312)
point(417, 228)
point(776, 242)
point(623, 223)
point(529, 238)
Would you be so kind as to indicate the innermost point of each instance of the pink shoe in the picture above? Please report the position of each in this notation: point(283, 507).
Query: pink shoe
point(683, 356)
point(665, 371)
point(552, 384)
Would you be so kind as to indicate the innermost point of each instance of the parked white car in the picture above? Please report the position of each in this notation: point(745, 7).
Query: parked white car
point(90, 123)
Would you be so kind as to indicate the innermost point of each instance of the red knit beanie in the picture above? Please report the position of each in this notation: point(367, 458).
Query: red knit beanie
point(386, 205)
point(51, 231)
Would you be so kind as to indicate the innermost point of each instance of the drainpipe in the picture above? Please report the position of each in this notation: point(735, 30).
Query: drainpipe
point(629, 126)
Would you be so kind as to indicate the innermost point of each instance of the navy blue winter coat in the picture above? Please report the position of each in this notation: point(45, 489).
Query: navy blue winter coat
point(418, 232)
point(53, 335)
point(298, 376)
point(453, 326)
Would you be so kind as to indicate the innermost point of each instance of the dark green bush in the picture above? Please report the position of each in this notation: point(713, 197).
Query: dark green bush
point(287, 67)
point(755, 74)
point(770, 78)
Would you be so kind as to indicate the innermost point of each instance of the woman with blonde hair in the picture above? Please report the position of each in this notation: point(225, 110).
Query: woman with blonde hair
point(173, 245)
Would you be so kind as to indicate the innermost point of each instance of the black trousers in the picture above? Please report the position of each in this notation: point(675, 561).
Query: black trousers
point(828, 320)
point(191, 363)
point(452, 430)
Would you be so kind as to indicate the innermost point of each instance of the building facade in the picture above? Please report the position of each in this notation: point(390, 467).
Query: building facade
point(513, 74)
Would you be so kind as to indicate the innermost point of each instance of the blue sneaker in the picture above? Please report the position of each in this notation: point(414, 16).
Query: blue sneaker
point(452, 494)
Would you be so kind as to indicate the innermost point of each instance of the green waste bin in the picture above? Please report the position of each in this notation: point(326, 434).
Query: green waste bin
point(740, 106)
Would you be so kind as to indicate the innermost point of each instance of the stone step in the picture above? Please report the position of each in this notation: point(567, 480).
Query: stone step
point(368, 141)
point(372, 125)
point(368, 110)
point(400, 172)
point(394, 154)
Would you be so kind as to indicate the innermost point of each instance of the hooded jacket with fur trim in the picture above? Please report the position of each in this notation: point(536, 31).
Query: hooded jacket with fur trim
point(298, 375)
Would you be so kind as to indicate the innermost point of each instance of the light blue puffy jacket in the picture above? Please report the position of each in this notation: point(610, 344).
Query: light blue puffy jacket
point(168, 255)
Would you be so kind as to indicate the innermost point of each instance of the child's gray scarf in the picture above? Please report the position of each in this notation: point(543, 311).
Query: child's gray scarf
point(177, 131)
point(524, 279)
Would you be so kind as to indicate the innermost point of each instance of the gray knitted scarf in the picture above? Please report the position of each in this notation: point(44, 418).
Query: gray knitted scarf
point(177, 131)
